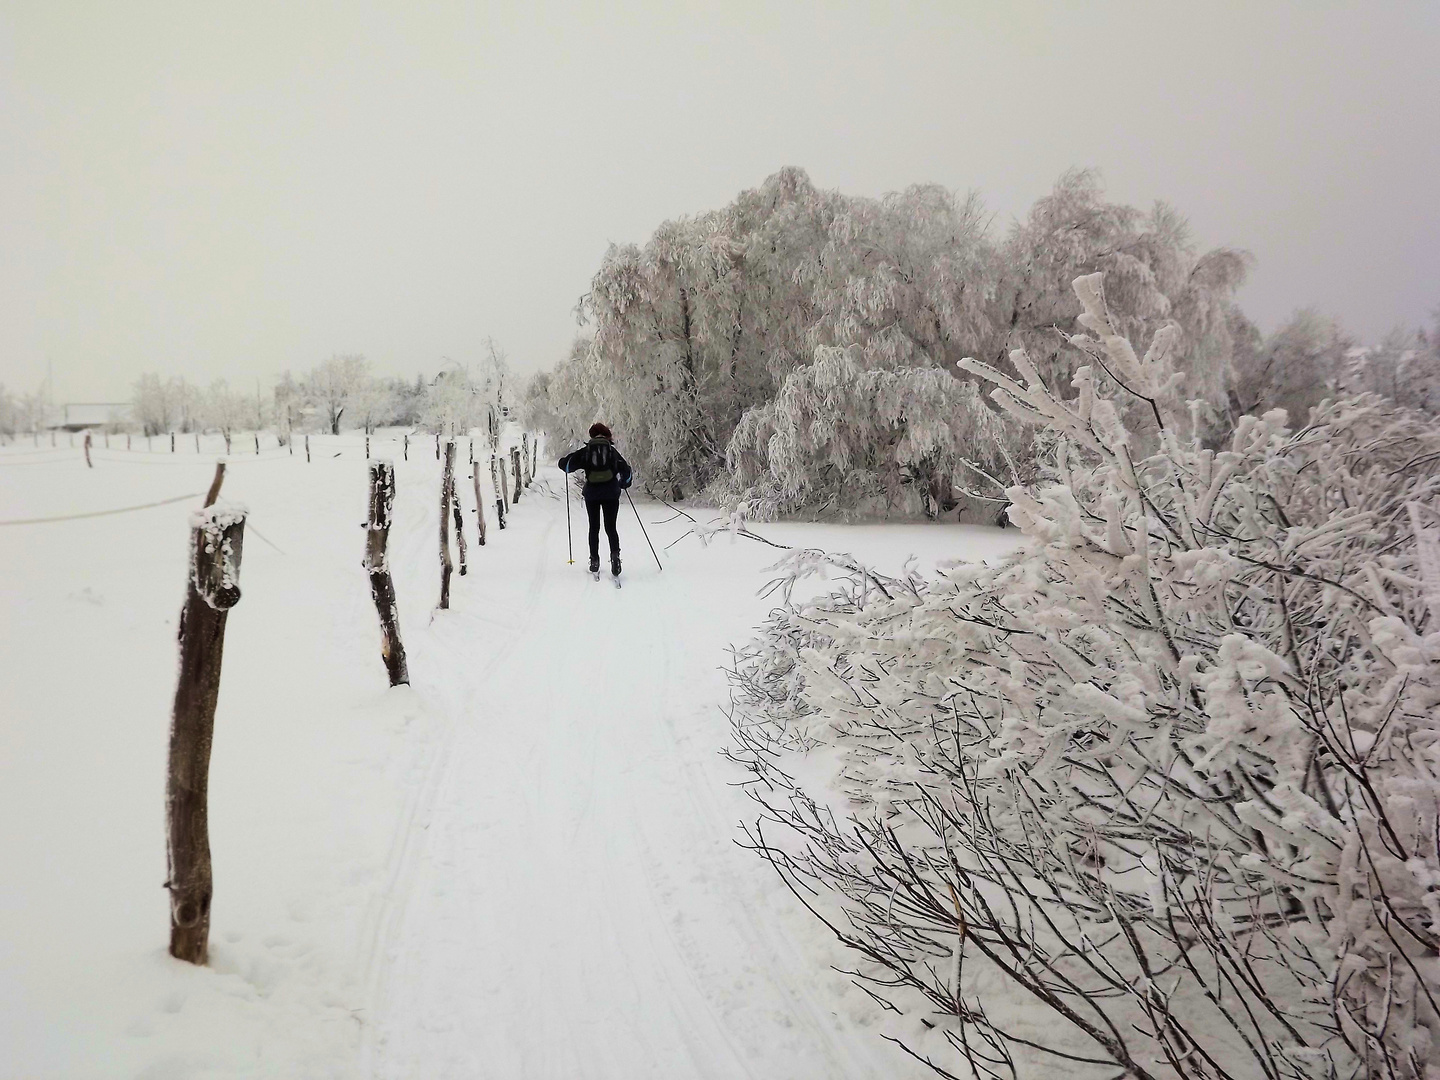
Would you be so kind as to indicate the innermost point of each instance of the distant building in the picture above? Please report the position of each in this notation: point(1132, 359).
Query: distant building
point(79, 415)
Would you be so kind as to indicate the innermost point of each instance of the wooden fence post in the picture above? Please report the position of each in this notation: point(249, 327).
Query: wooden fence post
point(215, 543)
point(459, 531)
point(496, 478)
point(515, 465)
point(307, 449)
point(447, 496)
point(377, 565)
point(257, 445)
point(197, 442)
point(504, 488)
point(172, 442)
point(367, 445)
point(127, 440)
point(479, 503)
point(88, 463)
point(407, 447)
point(437, 446)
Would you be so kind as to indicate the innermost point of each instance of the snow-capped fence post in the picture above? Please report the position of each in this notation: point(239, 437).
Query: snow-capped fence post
point(479, 503)
point(497, 481)
point(215, 543)
point(88, 463)
point(515, 465)
point(377, 565)
point(447, 496)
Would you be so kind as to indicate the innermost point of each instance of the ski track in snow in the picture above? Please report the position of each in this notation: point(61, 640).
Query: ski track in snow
point(553, 907)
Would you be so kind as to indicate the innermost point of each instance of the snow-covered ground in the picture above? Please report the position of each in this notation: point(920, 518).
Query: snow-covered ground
point(523, 865)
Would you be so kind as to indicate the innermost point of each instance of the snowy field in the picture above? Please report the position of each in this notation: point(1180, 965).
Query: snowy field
point(523, 865)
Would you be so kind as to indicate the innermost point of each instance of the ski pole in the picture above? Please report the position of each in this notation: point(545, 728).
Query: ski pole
point(642, 529)
point(569, 543)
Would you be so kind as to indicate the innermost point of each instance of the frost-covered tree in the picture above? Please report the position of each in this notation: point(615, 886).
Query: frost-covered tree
point(1293, 369)
point(226, 410)
point(711, 316)
point(1170, 772)
point(159, 405)
point(1154, 277)
point(331, 384)
point(865, 440)
point(1404, 368)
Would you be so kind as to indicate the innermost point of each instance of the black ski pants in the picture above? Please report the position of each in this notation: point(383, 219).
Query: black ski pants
point(593, 509)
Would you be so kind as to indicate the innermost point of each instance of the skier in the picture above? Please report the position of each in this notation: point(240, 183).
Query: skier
point(606, 475)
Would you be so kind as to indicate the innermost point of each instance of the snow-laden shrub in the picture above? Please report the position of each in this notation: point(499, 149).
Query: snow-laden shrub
point(843, 437)
point(1167, 777)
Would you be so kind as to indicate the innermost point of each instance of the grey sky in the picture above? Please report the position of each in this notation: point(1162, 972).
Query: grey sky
point(232, 190)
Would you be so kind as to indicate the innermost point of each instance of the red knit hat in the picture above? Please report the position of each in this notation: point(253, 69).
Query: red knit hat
point(598, 428)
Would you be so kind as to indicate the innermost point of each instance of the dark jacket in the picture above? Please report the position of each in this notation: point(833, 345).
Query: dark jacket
point(606, 472)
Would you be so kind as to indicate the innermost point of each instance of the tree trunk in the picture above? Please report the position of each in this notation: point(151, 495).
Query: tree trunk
point(447, 496)
point(479, 504)
point(377, 565)
point(215, 545)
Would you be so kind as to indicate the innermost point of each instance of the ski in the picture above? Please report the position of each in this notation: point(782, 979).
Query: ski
point(595, 574)
point(616, 580)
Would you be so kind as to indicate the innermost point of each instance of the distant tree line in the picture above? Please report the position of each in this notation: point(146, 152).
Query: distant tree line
point(339, 392)
point(795, 351)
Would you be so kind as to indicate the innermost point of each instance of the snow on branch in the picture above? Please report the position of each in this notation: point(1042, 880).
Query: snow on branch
point(1171, 772)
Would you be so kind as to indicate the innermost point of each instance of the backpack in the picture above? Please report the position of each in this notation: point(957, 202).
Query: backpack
point(599, 461)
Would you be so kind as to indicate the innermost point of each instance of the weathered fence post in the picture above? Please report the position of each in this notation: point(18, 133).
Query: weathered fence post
point(172, 442)
point(447, 496)
point(504, 488)
point(367, 445)
point(407, 447)
point(459, 531)
point(127, 440)
point(307, 449)
point(215, 542)
point(377, 565)
point(257, 445)
point(479, 503)
point(437, 446)
point(527, 457)
point(88, 463)
point(197, 442)
point(515, 464)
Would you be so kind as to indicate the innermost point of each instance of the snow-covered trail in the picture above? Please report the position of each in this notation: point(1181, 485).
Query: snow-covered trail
point(576, 906)
point(522, 865)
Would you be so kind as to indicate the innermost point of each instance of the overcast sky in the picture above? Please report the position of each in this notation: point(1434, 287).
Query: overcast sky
point(232, 190)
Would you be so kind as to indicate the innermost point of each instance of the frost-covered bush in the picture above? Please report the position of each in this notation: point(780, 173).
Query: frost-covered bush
point(841, 437)
point(1168, 776)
